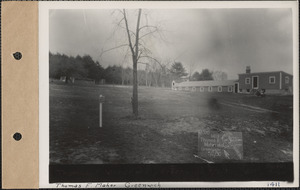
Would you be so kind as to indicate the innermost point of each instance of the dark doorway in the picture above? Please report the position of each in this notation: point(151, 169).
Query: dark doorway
point(236, 88)
point(254, 82)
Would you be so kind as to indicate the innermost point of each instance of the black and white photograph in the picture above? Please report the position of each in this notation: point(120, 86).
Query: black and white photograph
point(172, 86)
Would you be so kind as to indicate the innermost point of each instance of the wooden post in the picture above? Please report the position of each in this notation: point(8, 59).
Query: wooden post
point(100, 115)
point(101, 100)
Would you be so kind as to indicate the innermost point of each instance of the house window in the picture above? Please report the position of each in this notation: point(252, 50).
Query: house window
point(247, 80)
point(209, 88)
point(201, 89)
point(287, 80)
point(229, 88)
point(272, 80)
point(219, 88)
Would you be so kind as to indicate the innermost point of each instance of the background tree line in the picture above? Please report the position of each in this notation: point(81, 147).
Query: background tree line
point(78, 67)
point(84, 67)
point(154, 74)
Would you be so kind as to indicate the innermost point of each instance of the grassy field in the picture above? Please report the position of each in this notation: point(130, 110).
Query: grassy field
point(166, 131)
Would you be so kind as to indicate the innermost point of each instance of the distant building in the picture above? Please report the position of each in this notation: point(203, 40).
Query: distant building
point(77, 80)
point(102, 81)
point(277, 82)
point(205, 86)
point(63, 78)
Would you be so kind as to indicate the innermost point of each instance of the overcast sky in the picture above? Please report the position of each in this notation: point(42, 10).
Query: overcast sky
point(218, 39)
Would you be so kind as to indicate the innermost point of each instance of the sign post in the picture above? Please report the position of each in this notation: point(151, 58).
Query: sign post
point(101, 100)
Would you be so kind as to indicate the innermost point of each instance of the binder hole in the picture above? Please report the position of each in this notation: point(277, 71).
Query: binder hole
point(17, 55)
point(17, 136)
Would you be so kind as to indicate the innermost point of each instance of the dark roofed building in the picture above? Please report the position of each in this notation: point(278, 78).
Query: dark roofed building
point(277, 82)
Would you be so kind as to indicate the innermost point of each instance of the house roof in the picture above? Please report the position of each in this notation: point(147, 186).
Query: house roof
point(206, 83)
point(265, 73)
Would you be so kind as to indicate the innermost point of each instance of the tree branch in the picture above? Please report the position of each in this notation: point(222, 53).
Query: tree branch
point(128, 34)
point(120, 26)
point(144, 63)
point(137, 33)
point(146, 56)
point(151, 32)
point(148, 26)
point(155, 60)
point(112, 49)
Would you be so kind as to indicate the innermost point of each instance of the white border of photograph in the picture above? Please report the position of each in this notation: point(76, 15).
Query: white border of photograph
point(44, 8)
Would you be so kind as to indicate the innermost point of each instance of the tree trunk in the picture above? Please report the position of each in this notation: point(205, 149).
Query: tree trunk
point(135, 90)
point(123, 76)
point(135, 55)
point(146, 78)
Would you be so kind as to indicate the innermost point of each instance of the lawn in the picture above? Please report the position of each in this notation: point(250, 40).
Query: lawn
point(167, 128)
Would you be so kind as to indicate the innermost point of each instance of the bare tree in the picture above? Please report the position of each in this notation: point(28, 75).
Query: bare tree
point(191, 65)
point(135, 57)
point(137, 46)
point(219, 75)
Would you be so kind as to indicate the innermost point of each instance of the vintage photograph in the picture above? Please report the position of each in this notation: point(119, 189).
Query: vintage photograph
point(162, 86)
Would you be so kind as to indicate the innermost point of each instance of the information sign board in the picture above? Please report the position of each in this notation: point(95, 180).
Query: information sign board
point(220, 145)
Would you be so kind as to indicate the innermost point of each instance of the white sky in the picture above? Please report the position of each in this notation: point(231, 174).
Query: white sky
point(218, 39)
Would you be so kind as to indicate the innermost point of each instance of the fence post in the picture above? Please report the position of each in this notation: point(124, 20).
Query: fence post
point(101, 100)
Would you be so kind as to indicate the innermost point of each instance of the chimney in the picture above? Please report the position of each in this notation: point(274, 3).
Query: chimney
point(248, 70)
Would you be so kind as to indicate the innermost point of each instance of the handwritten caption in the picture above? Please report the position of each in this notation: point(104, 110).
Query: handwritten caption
point(108, 185)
